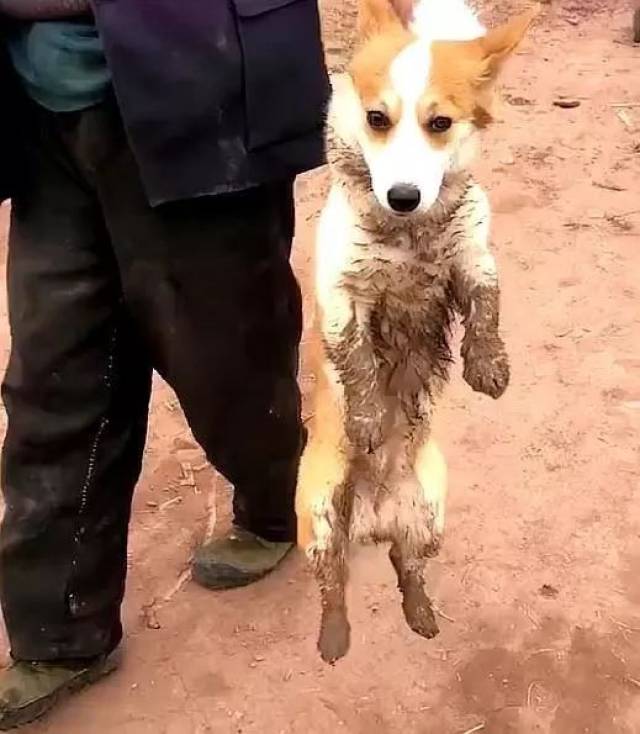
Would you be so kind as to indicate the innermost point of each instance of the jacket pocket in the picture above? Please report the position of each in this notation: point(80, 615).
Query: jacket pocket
point(285, 80)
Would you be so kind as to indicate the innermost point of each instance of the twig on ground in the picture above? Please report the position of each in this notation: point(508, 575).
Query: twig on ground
point(183, 580)
point(532, 685)
point(212, 514)
point(440, 613)
point(531, 617)
point(624, 626)
point(170, 503)
point(466, 573)
point(608, 186)
point(625, 119)
point(480, 727)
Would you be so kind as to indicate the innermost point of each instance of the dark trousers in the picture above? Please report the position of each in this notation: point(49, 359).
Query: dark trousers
point(102, 289)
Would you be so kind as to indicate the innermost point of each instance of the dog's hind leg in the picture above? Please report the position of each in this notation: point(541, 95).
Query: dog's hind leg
point(323, 510)
point(416, 605)
point(415, 544)
point(324, 533)
point(330, 564)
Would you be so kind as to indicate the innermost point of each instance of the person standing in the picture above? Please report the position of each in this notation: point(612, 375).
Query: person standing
point(150, 151)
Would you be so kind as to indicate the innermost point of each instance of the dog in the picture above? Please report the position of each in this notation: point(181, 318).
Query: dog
point(402, 247)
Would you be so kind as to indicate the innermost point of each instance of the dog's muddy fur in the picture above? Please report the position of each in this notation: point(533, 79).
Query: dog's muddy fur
point(380, 371)
point(388, 289)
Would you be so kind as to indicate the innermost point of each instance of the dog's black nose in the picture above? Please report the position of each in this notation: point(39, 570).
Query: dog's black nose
point(403, 197)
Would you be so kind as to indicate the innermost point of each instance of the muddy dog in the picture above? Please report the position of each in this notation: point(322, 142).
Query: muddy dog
point(402, 247)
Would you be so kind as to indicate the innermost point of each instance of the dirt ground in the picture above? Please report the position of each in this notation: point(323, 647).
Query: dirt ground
point(538, 584)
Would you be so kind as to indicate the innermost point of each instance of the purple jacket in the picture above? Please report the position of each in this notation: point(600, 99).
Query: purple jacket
point(217, 95)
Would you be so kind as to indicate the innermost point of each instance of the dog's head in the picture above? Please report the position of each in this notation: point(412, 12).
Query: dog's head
point(416, 94)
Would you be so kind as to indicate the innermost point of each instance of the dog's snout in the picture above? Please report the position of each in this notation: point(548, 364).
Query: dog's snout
point(403, 197)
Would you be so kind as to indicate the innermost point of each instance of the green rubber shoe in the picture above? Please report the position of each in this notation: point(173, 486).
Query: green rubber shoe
point(236, 560)
point(30, 690)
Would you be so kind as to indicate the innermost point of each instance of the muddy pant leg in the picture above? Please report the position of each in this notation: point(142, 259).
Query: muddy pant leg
point(237, 316)
point(76, 393)
point(211, 286)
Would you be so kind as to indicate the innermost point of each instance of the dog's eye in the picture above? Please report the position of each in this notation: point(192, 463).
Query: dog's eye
point(440, 124)
point(378, 120)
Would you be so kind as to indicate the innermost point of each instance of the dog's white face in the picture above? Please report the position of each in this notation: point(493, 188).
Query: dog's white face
point(412, 106)
point(410, 138)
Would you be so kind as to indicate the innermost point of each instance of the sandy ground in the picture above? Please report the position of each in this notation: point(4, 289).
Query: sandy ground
point(538, 583)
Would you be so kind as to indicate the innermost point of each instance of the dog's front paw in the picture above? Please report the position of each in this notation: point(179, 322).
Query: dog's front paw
point(486, 366)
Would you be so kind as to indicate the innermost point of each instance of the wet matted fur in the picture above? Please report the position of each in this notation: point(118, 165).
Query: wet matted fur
point(389, 285)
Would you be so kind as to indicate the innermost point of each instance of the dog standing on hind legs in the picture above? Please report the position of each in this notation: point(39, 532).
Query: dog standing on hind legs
point(402, 247)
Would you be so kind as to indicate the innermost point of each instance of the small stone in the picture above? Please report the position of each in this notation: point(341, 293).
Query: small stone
point(519, 101)
point(548, 591)
point(567, 104)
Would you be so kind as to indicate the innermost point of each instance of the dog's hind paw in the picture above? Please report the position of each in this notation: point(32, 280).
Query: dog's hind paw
point(419, 614)
point(335, 636)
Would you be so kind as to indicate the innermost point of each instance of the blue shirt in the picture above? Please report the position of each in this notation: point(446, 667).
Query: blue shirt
point(61, 65)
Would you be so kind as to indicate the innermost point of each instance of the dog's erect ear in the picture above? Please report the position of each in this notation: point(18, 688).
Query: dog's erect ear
point(498, 44)
point(376, 16)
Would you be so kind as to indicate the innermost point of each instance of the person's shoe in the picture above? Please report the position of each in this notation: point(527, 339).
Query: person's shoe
point(29, 690)
point(238, 559)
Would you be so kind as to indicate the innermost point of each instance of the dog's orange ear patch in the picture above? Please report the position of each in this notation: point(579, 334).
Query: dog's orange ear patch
point(463, 72)
point(379, 16)
point(370, 66)
point(500, 42)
